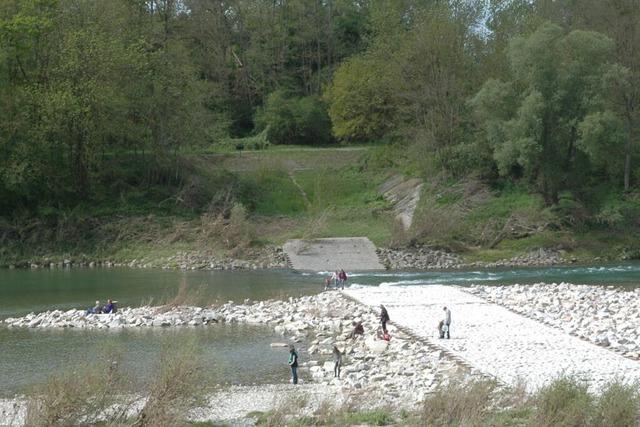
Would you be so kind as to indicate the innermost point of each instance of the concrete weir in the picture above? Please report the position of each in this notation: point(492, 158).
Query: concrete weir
point(497, 341)
point(349, 253)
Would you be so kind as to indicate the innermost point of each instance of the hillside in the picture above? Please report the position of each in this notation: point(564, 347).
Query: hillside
point(241, 204)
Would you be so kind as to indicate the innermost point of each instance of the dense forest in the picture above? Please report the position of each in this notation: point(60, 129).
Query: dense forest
point(539, 94)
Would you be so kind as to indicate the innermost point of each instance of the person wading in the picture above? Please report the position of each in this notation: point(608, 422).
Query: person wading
point(293, 363)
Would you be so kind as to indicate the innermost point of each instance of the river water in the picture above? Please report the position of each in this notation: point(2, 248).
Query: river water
point(236, 354)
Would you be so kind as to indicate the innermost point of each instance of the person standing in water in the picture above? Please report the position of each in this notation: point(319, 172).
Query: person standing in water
point(337, 362)
point(293, 363)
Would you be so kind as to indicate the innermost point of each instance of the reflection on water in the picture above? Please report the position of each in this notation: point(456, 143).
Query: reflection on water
point(236, 354)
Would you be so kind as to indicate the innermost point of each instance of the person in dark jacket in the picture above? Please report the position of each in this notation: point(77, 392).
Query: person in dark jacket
point(337, 362)
point(293, 363)
point(110, 307)
point(384, 317)
point(343, 278)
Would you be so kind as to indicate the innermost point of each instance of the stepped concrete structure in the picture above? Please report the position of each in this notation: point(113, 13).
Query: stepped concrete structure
point(404, 193)
point(498, 342)
point(349, 253)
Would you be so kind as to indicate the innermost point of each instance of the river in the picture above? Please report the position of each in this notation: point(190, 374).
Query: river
point(236, 354)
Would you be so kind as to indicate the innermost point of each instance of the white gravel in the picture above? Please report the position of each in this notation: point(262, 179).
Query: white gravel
point(497, 341)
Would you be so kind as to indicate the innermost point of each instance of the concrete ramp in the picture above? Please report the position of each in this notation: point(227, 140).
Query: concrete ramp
point(349, 253)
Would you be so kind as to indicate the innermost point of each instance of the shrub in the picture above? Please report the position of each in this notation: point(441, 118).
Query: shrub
point(564, 402)
point(83, 396)
point(458, 403)
point(617, 406)
point(175, 388)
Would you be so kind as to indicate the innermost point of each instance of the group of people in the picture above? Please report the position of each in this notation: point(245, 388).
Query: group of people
point(338, 279)
point(444, 331)
point(109, 308)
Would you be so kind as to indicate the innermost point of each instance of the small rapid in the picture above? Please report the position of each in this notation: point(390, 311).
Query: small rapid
point(627, 275)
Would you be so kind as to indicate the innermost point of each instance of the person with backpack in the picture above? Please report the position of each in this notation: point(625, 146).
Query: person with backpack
point(293, 363)
point(384, 317)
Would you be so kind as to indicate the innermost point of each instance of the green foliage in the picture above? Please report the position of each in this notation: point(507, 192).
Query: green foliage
point(565, 402)
point(360, 97)
point(471, 403)
point(376, 417)
point(618, 405)
point(295, 120)
point(602, 137)
point(548, 119)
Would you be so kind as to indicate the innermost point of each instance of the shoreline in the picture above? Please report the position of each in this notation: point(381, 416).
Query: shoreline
point(401, 373)
point(273, 258)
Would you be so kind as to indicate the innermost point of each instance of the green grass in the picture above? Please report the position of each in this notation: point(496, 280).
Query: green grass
point(375, 417)
point(129, 217)
point(505, 205)
point(272, 193)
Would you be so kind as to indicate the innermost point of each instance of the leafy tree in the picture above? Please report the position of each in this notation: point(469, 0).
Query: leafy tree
point(295, 120)
point(534, 120)
point(361, 96)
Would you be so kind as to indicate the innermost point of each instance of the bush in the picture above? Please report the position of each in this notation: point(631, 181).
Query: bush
point(175, 389)
point(565, 402)
point(84, 396)
point(617, 406)
point(295, 120)
point(458, 403)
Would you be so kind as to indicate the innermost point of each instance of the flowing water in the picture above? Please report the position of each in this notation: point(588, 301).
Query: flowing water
point(237, 354)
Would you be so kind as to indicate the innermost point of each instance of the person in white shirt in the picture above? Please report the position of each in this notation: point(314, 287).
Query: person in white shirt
point(446, 327)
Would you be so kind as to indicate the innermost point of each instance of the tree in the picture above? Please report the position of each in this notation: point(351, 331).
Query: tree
point(290, 119)
point(533, 121)
point(361, 97)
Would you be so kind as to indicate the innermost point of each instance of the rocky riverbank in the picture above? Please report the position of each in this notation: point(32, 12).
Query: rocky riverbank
point(606, 316)
point(425, 258)
point(405, 368)
point(273, 257)
point(421, 258)
point(258, 258)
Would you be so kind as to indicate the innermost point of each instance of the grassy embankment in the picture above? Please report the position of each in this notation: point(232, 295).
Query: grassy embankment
point(219, 203)
point(564, 402)
point(231, 203)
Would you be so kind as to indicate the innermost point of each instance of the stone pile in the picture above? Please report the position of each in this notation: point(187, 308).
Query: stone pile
point(405, 367)
point(606, 316)
point(422, 258)
point(127, 317)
